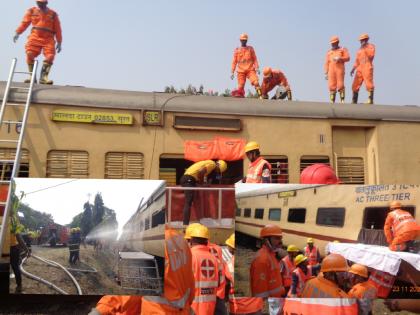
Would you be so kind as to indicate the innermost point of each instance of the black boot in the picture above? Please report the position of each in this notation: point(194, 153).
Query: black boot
point(370, 97)
point(342, 96)
point(355, 97)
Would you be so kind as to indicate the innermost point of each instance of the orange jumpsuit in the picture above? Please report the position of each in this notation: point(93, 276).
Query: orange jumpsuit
point(319, 287)
point(277, 78)
point(119, 305)
point(246, 61)
point(45, 26)
point(335, 68)
point(364, 68)
point(206, 274)
point(400, 227)
point(265, 275)
point(217, 252)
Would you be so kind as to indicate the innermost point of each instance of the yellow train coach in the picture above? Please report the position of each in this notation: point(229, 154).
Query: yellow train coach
point(96, 133)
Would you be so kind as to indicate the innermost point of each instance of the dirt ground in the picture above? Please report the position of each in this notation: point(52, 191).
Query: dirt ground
point(98, 283)
point(243, 259)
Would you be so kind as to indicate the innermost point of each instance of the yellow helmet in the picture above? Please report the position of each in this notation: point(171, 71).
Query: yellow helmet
point(200, 231)
point(231, 241)
point(252, 145)
point(222, 166)
point(310, 240)
point(292, 248)
point(299, 259)
point(188, 230)
point(243, 36)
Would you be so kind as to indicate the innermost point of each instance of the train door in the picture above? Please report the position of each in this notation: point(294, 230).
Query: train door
point(350, 154)
point(172, 167)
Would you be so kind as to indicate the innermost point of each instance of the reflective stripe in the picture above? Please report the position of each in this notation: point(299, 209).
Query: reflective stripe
point(403, 222)
point(379, 281)
point(204, 298)
point(326, 301)
point(269, 292)
point(206, 284)
point(180, 303)
point(38, 28)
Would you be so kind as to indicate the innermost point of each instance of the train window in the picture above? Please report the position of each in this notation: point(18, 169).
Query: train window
point(67, 164)
point(238, 212)
point(8, 154)
point(279, 169)
point(158, 218)
point(147, 224)
point(247, 212)
point(351, 170)
point(308, 160)
point(124, 165)
point(274, 214)
point(374, 217)
point(259, 213)
point(297, 215)
point(330, 216)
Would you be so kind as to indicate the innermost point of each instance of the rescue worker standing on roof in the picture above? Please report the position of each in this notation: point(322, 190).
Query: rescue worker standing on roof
point(197, 174)
point(362, 289)
point(46, 30)
point(265, 276)
point(363, 66)
point(288, 266)
point(272, 78)
point(334, 68)
point(400, 228)
point(206, 273)
point(246, 65)
point(312, 253)
point(259, 170)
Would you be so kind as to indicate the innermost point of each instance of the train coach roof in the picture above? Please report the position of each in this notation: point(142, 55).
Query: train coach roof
point(131, 100)
point(253, 190)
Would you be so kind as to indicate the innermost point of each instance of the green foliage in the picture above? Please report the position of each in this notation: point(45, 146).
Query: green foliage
point(98, 209)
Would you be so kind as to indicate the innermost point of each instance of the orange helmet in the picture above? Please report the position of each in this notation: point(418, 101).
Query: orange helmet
point(363, 36)
point(395, 205)
point(319, 174)
point(267, 71)
point(334, 262)
point(270, 230)
point(243, 36)
point(359, 270)
point(334, 39)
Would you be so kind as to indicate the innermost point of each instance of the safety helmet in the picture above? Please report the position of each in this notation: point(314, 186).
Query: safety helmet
point(45, 1)
point(231, 241)
point(252, 145)
point(188, 230)
point(334, 262)
point(292, 248)
point(77, 229)
point(200, 231)
point(395, 205)
point(360, 270)
point(267, 71)
point(244, 36)
point(336, 241)
point(363, 36)
point(319, 174)
point(72, 230)
point(270, 230)
point(299, 259)
point(310, 240)
point(334, 39)
point(222, 166)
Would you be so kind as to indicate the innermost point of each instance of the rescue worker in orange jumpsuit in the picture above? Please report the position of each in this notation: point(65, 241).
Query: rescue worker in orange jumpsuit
point(362, 289)
point(259, 170)
point(299, 276)
point(363, 66)
point(312, 252)
point(400, 228)
point(265, 273)
point(288, 266)
point(220, 302)
point(206, 273)
point(194, 175)
point(178, 291)
point(272, 78)
point(246, 63)
point(239, 305)
point(45, 26)
point(334, 68)
point(319, 174)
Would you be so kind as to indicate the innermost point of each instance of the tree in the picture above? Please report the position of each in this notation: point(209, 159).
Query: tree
point(98, 209)
point(77, 220)
point(227, 93)
point(86, 220)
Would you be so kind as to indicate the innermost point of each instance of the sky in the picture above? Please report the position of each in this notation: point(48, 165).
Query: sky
point(64, 198)
point(147, 45)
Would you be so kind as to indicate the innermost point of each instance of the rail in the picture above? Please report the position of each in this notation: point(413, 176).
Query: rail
point(218, 189)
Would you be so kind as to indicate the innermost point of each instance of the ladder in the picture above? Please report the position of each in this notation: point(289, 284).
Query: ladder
point(24, 89)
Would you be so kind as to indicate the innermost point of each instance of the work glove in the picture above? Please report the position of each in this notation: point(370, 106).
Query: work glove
point(232, 76)
point(15, 38)
point(352, 72)
point(58, 48)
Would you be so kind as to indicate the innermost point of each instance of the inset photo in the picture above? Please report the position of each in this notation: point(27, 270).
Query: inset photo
point(326, 241)
point(87, 236)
